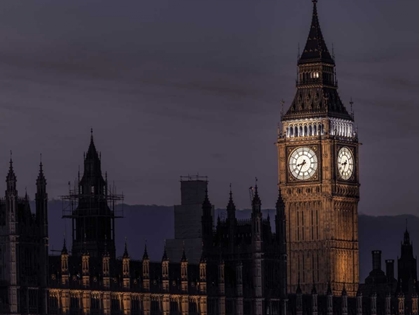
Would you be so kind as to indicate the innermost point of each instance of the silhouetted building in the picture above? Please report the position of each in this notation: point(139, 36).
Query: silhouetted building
point(187, 220)
point(23, 249)
point(307, 265)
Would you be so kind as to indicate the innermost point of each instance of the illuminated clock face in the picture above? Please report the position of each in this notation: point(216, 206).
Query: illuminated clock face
point(345, 163)
point(303, 163)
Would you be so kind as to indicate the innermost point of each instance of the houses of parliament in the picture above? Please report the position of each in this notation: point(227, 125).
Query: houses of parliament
point(307, 265)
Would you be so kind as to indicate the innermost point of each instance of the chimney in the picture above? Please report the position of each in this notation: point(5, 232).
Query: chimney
point(376, 259)
point(390, 269)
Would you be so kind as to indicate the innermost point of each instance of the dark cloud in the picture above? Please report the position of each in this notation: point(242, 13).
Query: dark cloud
point(178, 87)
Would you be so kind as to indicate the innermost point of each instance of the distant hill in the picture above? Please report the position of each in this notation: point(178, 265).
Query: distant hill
point(156, 223)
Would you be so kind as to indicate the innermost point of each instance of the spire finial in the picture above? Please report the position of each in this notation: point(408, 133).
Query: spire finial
point(125, 248)
point(145, 254)
point(184, 257)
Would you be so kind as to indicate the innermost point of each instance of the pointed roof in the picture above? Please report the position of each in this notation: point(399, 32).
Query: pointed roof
point(231, 205)
point(184, 257)
point(280, 205)
point(315, 49)
point(145, 254)
point(406, 237)
point(344, 291)
point(165, 256)
point(321, 99)
point(41, 181)
point(92, 153)
point(256, 201)
point(329, 291)
point(206, 202)
point(64, 250)
point(125, 255)
point(11, 174)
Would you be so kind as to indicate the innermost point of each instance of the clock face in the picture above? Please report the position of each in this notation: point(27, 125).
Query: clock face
point(303, 163)
point(345, 163)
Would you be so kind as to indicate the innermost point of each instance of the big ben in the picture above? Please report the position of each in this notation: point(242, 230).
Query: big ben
point(318, 177)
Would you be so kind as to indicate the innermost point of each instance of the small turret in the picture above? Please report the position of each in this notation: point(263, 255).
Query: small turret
point(299, 302)
point(64, 264)
point(105, 267)
point(231, 208)
point(11, 178)
point(256, 201)
point(388, 302)
point(314, 300)
point(373, 302)
point(165, 270)
point(41, 200)
point(415, 299)
point(359, 301)
point(146, 269)
point(401, 299)
point(184, 271)
point(126, 267)
point(85, 269)
point(344, 305)
point(330, 307)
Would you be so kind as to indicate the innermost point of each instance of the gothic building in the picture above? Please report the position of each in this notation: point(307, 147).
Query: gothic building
point(307, 264)
point(318, 175)
point(23, 249)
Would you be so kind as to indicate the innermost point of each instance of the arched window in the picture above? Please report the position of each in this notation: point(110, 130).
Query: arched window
point(310, 130)
point(305, 130)
point(300, 131)
point(296, 131)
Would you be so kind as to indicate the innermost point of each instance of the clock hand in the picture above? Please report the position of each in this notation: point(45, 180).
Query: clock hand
point(301, 165)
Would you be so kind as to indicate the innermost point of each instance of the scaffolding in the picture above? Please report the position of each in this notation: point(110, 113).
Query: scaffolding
point(94, 211)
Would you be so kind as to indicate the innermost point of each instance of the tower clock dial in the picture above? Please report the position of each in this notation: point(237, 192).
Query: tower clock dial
point(303, 163)
point(345, 163)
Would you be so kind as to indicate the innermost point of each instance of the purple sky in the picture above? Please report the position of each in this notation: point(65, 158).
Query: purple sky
point(175, 87)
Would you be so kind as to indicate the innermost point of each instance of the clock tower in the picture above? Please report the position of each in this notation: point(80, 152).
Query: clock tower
point(318, 176)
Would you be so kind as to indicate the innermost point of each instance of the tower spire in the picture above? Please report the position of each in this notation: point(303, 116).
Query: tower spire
point(231, 205)
point(11, 177)
point(315, 48)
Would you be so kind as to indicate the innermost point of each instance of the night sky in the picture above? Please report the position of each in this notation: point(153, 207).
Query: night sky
point(175, 87)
